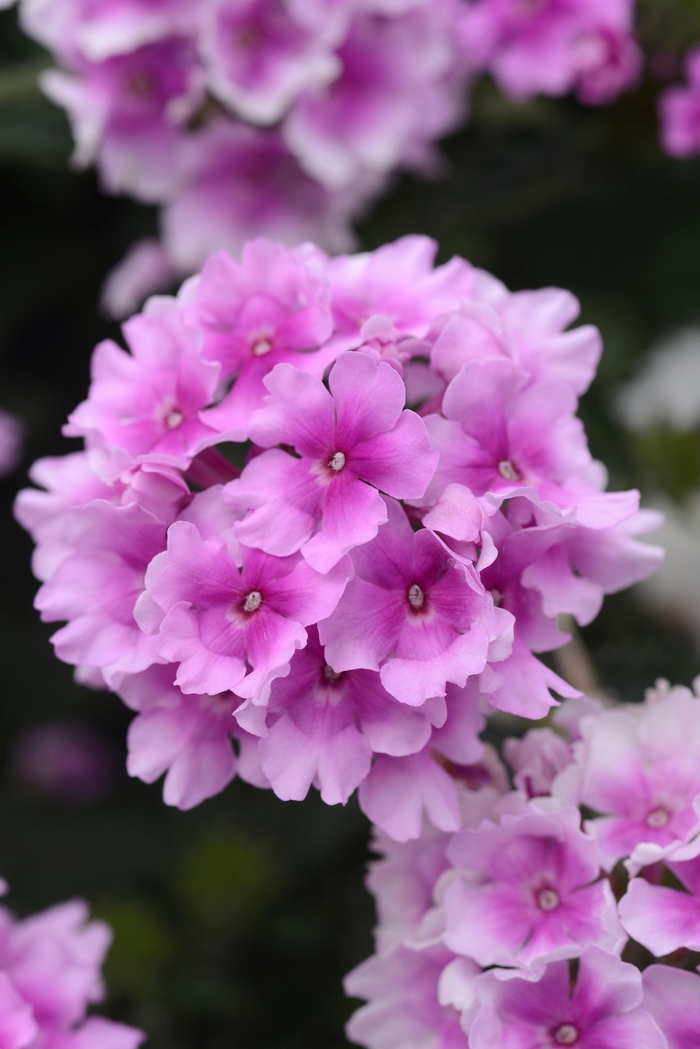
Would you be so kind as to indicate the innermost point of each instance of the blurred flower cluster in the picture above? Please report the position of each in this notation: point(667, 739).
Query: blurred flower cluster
point(527, 927)
point(285, 118)
point(49, 975)
point(260, 540)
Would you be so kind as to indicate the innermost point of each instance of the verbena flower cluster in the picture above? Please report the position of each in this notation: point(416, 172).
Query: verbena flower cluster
point(49, 975)
point(284, 118)
point(527, 927)
point(417, 506)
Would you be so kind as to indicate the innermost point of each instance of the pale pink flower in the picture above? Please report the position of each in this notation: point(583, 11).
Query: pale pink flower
point(639, 771)
point(602, 1011)
point(259, 57)
point(189, 737)
point(65, 481)
point(49, 975)
point(536, 760)
point(243, 182)
point(412, 998)
point(399, 282)
point(398, 90)
point(527, 892)
point(127, 112)
point(663, 919)
point(97, 585)
point(96, 31)
point(672, 996)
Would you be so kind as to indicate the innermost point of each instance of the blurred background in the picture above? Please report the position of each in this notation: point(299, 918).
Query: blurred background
point(235, 922)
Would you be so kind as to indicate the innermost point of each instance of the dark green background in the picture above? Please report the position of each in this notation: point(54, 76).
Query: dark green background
point(236, 921)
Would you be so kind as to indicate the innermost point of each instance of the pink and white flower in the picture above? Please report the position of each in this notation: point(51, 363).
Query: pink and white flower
point(350, 444)
point(49, 975)
point(602, 1011)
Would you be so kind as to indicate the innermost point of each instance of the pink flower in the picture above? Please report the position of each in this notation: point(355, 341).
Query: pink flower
point(67, 481)
point(500, 433)
point(188, 737)
point(554, 46)
point(272, 307)
point(662, 919)
point(96, 587)
point(679, 112)
point(49, 975)
point(147, 406)
point(399, 282)
point(537, 759)
point(230, 628)
point(414, 613)
point(349, 443)
point(399, 792)
point(525, 892)
point(602, 1011)
point(126, 114)
point(400, 789)
point(112, 27)
point(528, 327)
point(398, 90)
point(242, 182)
point(609, 61)
point(639, 770)
point(259, 57)
point(412, 997)
point(324, 727)
point(673, 999)
point(402, 882)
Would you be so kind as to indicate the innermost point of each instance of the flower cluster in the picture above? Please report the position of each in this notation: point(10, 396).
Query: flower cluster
point(352, 603)
point(285, 118)
point(279, 118)
point(554, 47)
point(512, 931)
point(49, 975)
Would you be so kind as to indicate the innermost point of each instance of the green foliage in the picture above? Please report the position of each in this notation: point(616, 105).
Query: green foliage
point(667, 460)
point(225, 878)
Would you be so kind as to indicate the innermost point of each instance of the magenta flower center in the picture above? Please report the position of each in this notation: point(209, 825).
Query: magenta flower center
point(247, 38)
point(497, 597)
point(566, 1035)
point(140, 84)
point(658, 818)
point(337, 461)
point(507, 470)
point(253, 601)
point(548, 900)
point(416, 596)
